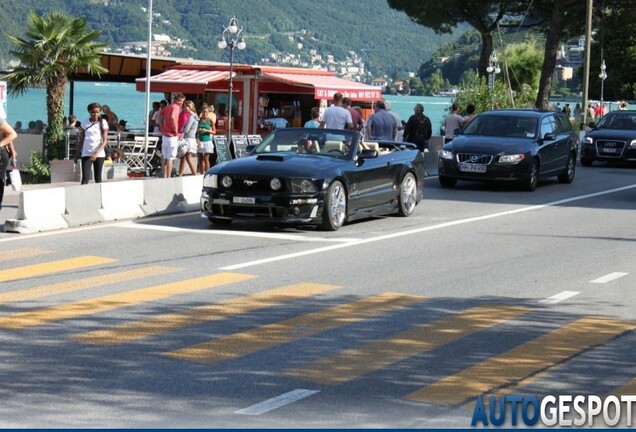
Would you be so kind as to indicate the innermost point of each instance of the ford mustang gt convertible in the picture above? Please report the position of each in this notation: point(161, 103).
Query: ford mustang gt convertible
point(323, 177)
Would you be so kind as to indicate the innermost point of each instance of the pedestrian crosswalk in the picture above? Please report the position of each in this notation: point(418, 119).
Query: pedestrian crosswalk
point(365, 354)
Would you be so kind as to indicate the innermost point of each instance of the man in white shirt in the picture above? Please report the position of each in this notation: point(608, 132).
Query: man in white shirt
point(336, 116)
point(452, 122)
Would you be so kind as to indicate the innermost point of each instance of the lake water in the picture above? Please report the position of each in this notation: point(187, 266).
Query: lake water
point(130, 104)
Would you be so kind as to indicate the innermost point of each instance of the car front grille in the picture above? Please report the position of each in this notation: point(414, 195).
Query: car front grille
point(472, 158)
point(610, 148)
point(252, 184)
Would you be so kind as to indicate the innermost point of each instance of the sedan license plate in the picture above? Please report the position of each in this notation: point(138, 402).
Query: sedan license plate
point(244, 200)
point(472, 168)
point(610, 150)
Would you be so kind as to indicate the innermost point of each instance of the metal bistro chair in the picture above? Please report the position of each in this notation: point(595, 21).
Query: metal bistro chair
point(139, 152)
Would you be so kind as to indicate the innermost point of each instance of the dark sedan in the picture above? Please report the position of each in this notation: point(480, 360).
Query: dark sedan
point(513, 145)
point(315, 176)
point(612, 139)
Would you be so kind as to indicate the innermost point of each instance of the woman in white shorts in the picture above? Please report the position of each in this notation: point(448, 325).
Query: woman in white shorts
point(188, 133)
point(205, 133)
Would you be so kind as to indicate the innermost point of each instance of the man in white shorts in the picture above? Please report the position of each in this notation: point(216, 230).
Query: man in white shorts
point(170, 133)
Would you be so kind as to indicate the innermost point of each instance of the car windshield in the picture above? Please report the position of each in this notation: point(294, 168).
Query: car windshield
point(323, 142)
point(617, 121)
point(502, 126)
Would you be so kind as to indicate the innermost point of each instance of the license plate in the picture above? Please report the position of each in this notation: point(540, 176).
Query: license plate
point(610, 150)
point(472, 168)
point(244, 200)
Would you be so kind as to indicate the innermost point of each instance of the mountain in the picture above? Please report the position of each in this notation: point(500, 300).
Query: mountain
point(386, 40)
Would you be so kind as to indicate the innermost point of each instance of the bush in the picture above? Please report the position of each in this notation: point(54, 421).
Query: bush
point(39, 170)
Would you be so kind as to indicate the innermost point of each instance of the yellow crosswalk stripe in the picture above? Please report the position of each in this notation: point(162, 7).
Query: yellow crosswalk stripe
point(240, 344)
point(21, 253)
point(352, 363)
point(523, 361)
point(52, 267)
point(79, 284)
point(116, 301)
point(213, 312)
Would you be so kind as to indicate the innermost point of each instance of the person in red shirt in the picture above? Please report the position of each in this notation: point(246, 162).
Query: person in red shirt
point(356, 118)
point(170, 133)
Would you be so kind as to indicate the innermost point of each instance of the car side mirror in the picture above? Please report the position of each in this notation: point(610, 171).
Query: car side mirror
point(549, 137)
point(250, 149)
point(368, 154)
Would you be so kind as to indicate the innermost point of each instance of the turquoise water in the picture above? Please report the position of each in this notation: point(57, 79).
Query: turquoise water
point(129, 104)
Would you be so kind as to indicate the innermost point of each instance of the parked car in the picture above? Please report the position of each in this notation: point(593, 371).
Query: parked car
point(612, 139)
point(511, 145)
point(317, 177)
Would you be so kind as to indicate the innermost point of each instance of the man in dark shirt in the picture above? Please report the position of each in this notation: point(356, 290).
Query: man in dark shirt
point(418, 129)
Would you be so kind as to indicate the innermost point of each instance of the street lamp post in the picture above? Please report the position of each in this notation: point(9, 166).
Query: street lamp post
point(602, 76)
point(232, 37)
point(492, 69)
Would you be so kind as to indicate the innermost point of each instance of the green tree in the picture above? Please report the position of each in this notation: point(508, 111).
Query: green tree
point(56, 46)
point(523, 64)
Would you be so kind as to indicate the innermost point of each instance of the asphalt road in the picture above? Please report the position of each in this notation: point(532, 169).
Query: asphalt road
point(389, 322)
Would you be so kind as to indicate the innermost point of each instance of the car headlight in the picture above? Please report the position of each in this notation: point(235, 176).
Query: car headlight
point(445, 154)
point(303, 186)
point(211, 181)
point(512, 159)
point(226, 181)
point(275, 184)
point(588, 140)
point(632, 144)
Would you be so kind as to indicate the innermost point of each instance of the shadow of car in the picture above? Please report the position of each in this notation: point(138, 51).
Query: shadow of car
point(613, 139)
point(511, 145)
point(306, 176)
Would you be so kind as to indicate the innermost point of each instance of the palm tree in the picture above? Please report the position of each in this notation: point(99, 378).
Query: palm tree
point(56, 46)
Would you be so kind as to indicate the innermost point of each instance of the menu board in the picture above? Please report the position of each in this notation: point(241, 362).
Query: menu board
point(254, 139)
point(239, 142)
point(222, 149)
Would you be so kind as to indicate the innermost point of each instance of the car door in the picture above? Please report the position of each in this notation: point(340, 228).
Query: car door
point(565, 143)
point(374, 182)
point(548, 152)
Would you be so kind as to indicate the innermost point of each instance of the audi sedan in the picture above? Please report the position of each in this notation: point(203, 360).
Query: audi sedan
point(322, 177)
point(612, 139)
point(513, 145)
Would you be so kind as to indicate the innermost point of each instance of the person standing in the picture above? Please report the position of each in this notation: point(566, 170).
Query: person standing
point(418, 129)
point(399, 134)
point(452, 122)
point(336, 116)
point(93, 140)
point(470, 114)
point(8, 155)
point(315, 118)
point(170, 133)
point(356, 117)
point(204, 132)
point(381, 124)
point(189, 134)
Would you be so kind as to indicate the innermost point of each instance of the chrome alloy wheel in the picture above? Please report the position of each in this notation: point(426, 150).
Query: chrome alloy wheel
point(409, 194)
point(338, 205)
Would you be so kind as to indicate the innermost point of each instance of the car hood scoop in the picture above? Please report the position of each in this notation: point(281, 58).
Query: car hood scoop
point(272, 157)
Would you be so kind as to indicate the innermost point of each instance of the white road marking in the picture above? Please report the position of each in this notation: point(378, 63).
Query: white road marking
point(423, 229)
point(276, 402)
point(609, 277)
point(559, 297)
point(278, 236)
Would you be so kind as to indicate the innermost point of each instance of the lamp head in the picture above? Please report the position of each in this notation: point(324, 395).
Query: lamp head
point(489, 69)
point(233, 27)
point(222, 44)
point(241, 44)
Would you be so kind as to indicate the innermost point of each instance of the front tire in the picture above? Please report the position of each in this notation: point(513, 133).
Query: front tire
point(334, 210)
point(531, 182)
point(448, 182)
point(586, 162)
point(407, 195)
point(568, 175)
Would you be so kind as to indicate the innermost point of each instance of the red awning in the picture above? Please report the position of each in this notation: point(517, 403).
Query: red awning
point(326, 85)
point(182, 80)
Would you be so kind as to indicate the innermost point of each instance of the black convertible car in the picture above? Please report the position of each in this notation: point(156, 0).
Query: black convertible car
point(513, 145)
point(317, 177)
point(612, 139)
